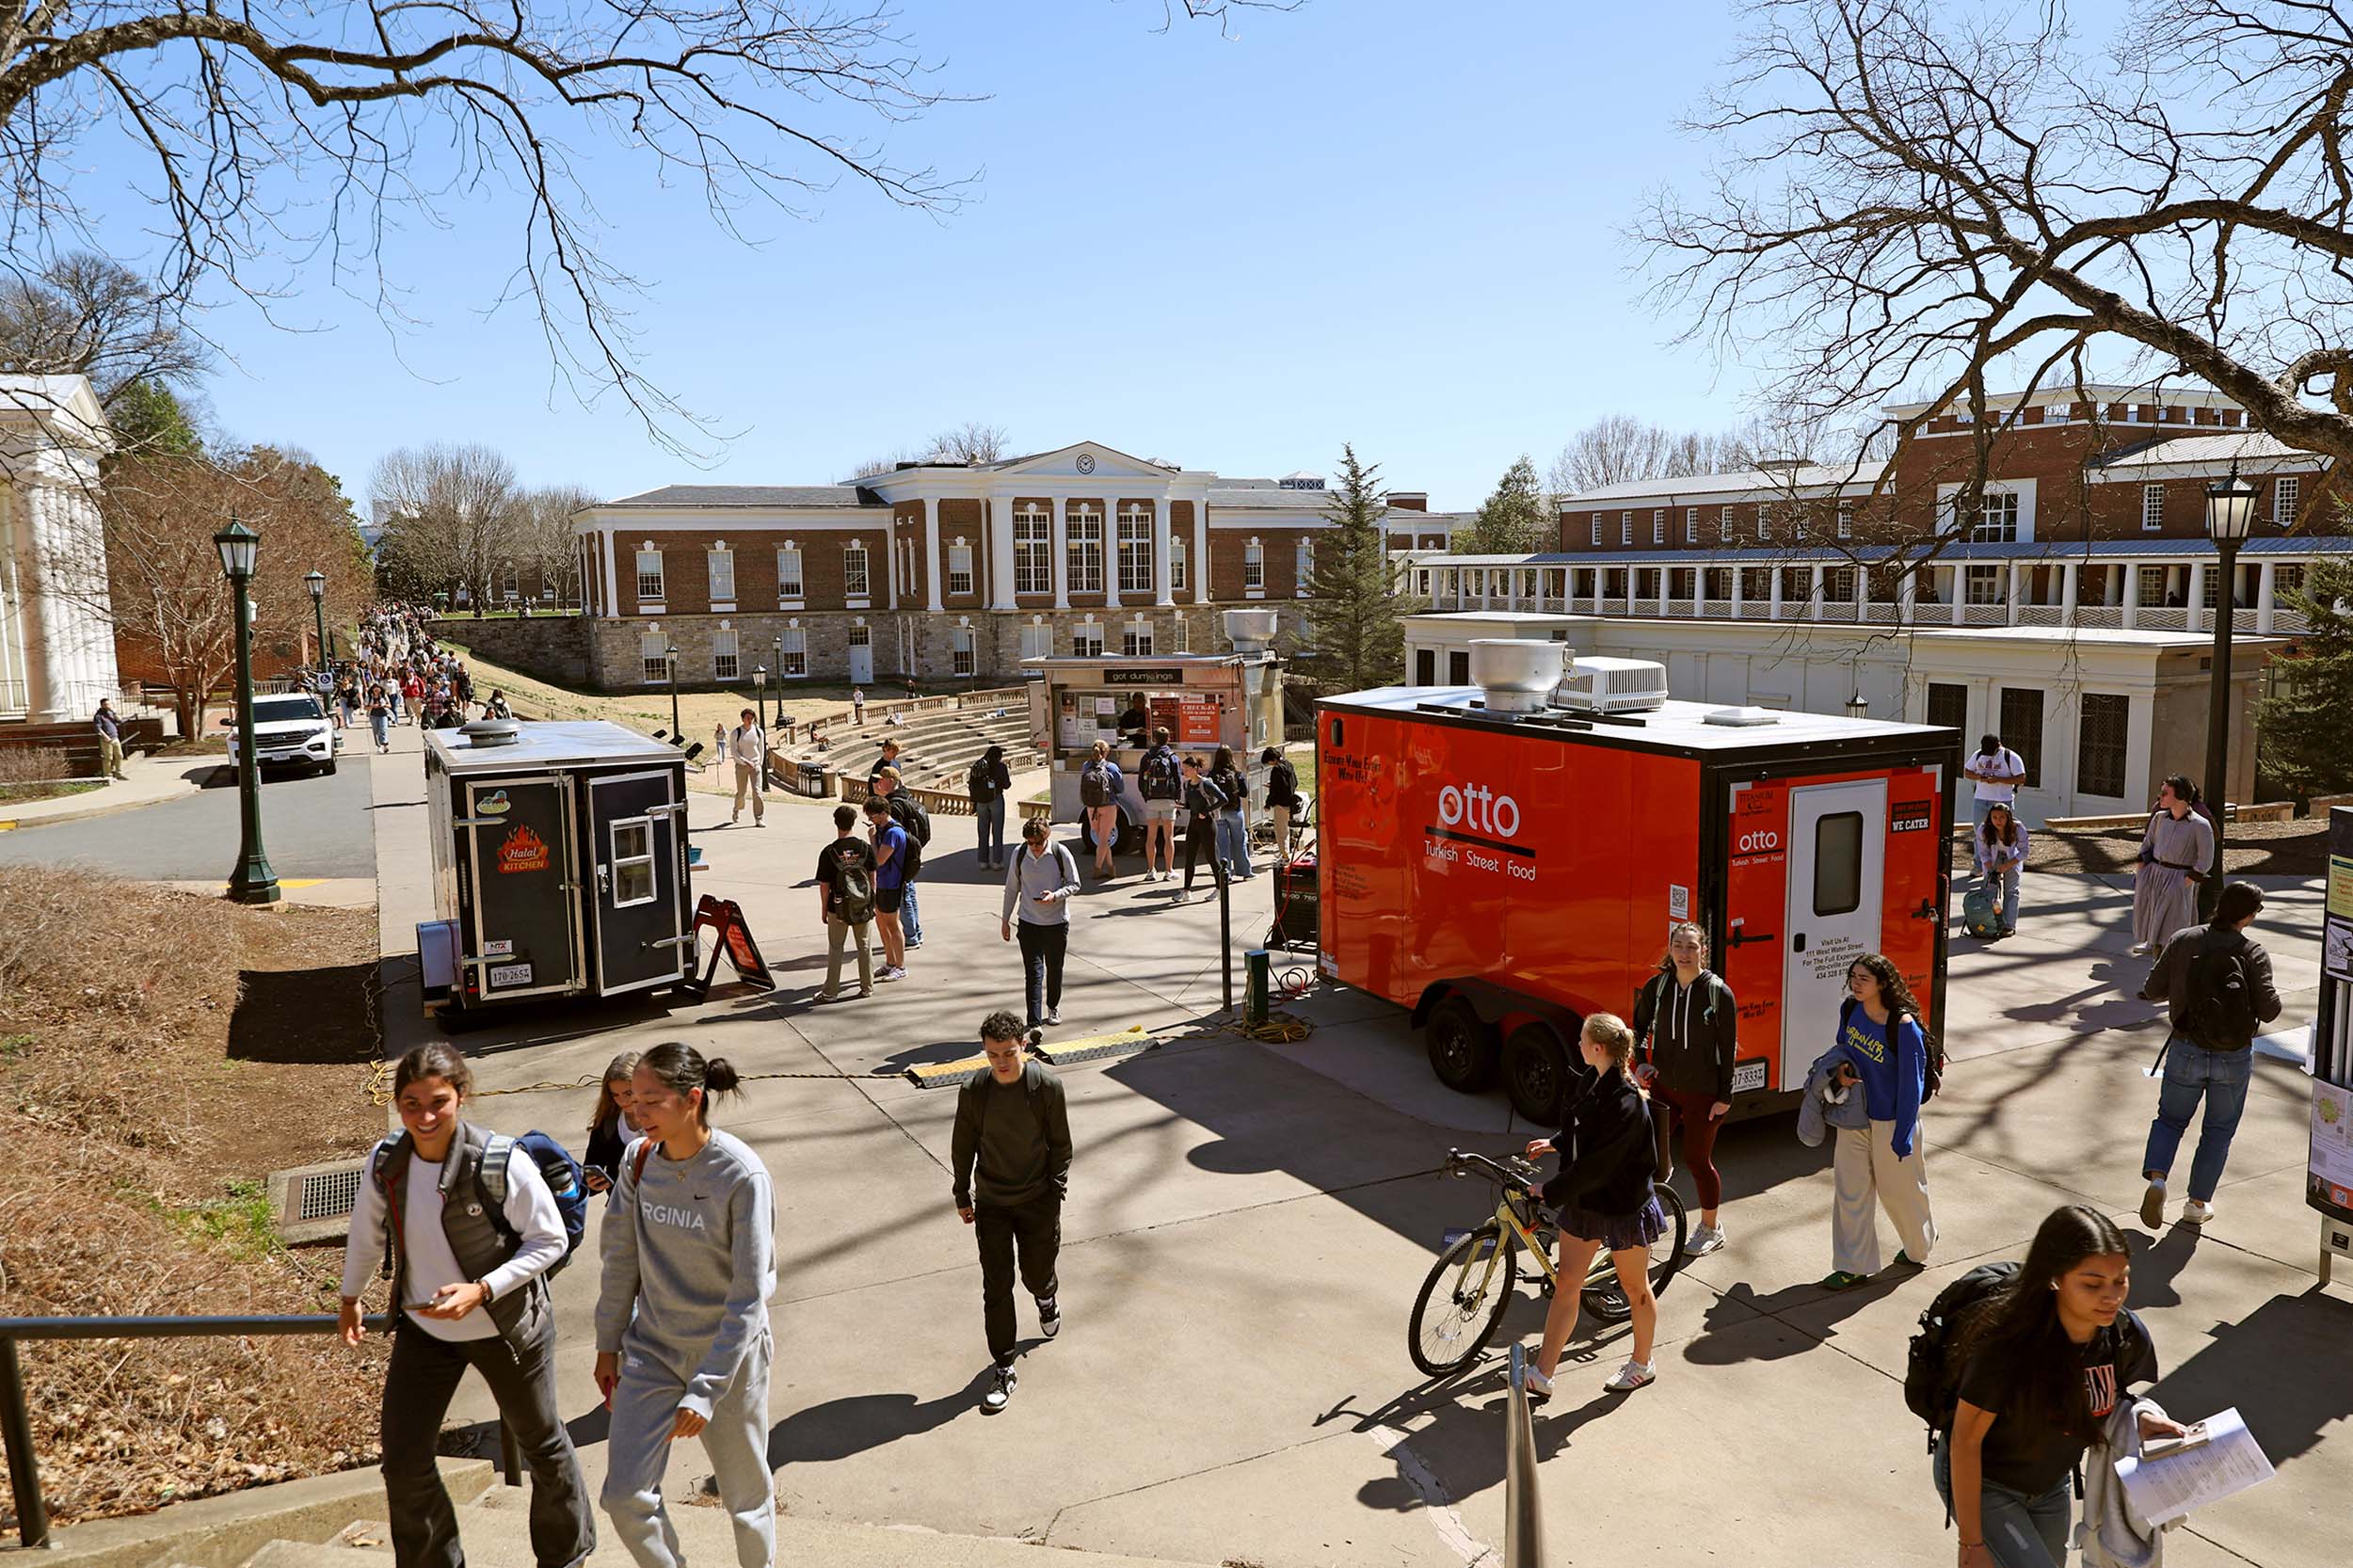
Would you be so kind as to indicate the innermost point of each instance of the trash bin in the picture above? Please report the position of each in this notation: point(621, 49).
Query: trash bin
point(816, 781)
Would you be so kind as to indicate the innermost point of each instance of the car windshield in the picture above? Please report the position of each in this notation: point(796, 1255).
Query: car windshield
point(273, 710)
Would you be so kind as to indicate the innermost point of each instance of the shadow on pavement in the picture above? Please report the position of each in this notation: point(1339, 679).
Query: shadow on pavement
point(1739, 1304)
point(857, 1422)
point(313, 1017)
point(2243, 1367)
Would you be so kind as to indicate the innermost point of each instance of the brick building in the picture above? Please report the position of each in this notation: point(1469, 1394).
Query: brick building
point(947, 572)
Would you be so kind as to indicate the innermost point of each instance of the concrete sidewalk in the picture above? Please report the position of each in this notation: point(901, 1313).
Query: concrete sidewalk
point(1248, 1225)
point(147, 780)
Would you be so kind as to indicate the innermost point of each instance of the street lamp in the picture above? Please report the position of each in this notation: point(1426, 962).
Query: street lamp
point(677, 736)
point(316, 581)
point(759, 716)
point(2229, 514)
point(1858, 706)
point(252, 882)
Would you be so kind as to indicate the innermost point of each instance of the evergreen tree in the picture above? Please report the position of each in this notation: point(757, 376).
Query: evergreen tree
point(1357, 638)
point(148, 420)
point(1515, 520)
point(2301, 728)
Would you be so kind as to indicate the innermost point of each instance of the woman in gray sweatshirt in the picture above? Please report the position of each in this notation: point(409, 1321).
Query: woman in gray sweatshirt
point(682, 1340)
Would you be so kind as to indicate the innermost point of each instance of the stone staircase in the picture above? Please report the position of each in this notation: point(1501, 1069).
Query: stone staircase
point(936, 749)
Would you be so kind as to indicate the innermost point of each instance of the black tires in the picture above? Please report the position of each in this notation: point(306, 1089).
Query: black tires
point(1462, 1046)
point(1536, 1073)
point(1462, 1301)
point(1605, 1298)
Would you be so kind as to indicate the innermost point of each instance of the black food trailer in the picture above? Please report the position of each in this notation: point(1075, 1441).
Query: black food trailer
point(559, 863)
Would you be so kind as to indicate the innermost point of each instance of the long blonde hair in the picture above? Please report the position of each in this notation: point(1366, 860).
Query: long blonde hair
point(607, 1106)
point(1610, 1032)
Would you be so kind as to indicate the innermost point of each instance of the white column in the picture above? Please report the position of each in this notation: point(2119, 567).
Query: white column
point(1698, 599)
point(2194, 601)
point(1163, 594)
point(1000, 537)
point(2266, 583)
point(2017, 591)
point(1738, 587)
point(2128, 617)
point(1960, 602)
point(2067, 599)
point(1907, 606)
point(1813, 598)
point(1773, 605)
point(55, 700)
point(1861, 601)
point(1062, 552)
point(933, 582)
point(611, 587)
point(1200, 564)
point(1666, 590)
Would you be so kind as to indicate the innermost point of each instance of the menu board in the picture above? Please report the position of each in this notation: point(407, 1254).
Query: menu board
point(1197, 720)
point(2332, 1170)
point(1164, 715)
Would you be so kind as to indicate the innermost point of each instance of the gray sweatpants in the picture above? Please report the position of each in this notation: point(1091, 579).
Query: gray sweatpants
point(645, 1403)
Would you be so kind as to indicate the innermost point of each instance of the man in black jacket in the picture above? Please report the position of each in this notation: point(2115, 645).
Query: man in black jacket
point(1282, 798)
point(1013, 1133)
point(2215, 984)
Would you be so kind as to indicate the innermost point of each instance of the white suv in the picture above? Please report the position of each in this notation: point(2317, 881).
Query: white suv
point(292, 730)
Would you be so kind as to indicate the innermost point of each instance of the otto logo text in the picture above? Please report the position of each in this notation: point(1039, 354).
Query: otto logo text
point(1757, 842)
point(1478, 808)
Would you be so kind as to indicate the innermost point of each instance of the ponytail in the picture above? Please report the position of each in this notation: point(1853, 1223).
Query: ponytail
point(685, 1070)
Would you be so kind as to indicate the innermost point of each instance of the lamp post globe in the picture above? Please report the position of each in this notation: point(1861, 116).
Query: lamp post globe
point(2229, 516)
point(253, 881)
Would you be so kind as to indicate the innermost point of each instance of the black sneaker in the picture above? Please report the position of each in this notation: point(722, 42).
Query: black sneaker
point(1001, 1386)
point(1048, 1316)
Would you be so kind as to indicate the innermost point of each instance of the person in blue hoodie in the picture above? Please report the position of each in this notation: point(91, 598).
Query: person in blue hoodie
point(1882, 1048)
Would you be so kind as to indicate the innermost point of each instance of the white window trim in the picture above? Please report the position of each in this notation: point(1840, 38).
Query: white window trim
point(712, 559)
point(659, 574)
point(1691, 525)
point(2151, 492)
point(1253, 569)
point(857, 597)
point(726, 644)
point(613, 841)
point(1626, 528)
point(956, 548)
point(791, 599)
point(1658, 525)
point(1032, 550)
point(1303, 567)
point(2287, 495)
point(794, 646)
point(1597, 519)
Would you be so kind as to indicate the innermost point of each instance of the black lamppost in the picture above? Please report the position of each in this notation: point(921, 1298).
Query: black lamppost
point(777, 664)
point(677, 736)
point(317, 581)
point(252, 882)
point(759, 716)
point(2229, 514)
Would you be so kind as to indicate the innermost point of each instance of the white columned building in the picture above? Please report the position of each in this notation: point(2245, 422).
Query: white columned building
point(56, 633)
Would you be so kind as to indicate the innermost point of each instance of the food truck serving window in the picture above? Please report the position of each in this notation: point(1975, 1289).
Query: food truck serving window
point(1838, 864)
point(632, 861)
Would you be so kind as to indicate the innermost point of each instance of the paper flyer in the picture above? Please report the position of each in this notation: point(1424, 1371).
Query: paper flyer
point(2171, 1486)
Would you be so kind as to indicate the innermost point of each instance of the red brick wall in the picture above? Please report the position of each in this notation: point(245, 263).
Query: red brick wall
point(1281, 547)
point(685, 571)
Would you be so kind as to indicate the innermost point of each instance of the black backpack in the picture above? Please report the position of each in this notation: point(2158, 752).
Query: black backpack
point(912, 817)
point(1162, 780)
point(2221, 1014)
point(980, 784)
point(1932, 1369)
point(853, 881)
point(1933, 1079)
point(1094, 784)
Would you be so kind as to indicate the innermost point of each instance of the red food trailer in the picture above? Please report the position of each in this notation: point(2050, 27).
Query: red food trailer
point(1506, 857)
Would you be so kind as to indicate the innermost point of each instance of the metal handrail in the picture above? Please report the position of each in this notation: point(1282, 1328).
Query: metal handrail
point(16, 1422)
point(1523, 1520)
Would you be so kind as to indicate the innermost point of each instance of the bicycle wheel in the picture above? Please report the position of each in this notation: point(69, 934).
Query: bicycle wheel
point(1462, 1301)
point(1605, 1298)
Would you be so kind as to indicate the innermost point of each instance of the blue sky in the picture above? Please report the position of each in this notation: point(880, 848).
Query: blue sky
point(1371, 221)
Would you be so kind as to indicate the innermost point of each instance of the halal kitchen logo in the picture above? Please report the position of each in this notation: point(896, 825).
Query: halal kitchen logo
point(524, 851)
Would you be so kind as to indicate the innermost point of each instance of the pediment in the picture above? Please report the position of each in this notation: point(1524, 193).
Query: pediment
point(1086, 460)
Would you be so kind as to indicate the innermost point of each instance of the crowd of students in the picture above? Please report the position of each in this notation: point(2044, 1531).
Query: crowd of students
point(398, 674)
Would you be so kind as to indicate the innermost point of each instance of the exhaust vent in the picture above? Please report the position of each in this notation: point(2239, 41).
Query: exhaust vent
point(491, 732)
point(1613, 686)
point(1515, 675)
point(1741, 718)
point(1250, 630)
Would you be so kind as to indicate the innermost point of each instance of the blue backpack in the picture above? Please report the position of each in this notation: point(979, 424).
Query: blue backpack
point(557, 1167)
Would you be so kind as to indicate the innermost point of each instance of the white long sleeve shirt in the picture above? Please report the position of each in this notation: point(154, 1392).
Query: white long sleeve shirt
point(530, 1212)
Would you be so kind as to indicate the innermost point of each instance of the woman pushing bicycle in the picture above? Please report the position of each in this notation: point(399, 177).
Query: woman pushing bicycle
point(1603, 1192)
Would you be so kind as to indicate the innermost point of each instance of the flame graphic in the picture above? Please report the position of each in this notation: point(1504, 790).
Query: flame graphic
point(525, 850)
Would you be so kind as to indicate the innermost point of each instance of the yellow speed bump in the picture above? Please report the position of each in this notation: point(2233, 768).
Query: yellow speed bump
point(1062, 1053)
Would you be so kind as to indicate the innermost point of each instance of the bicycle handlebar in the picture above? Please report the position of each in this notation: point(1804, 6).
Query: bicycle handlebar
point(1517, 1175)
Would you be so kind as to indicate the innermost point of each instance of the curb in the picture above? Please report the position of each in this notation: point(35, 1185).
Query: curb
point(98, 809)
point(224, 1529)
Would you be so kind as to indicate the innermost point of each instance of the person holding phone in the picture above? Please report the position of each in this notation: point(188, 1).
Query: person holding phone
point(1880, 1048)
point(1039, 886)
point(609, 1129)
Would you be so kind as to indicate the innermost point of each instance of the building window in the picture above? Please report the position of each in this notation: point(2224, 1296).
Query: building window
point(2284, 494)
point(960, 657)
point(511, 581)
point(722, 576)
point(1997, 518)
point(1135, 550)
point(1658, 526)
point(2151, 508)
point(1948, 705)
point(2287, 582)
point(862, 635)
point(1176, 564)
point(788, 572)
point(1691, 525)
point(1304, 566)
point(1032, 552)
point(2100, 744)
point(1764, 523)
point(853, 573)
point(649, 575)
point(1136, 640)
point(959, 571)
point(1253, 565)
point(2022, 729)
point(2153, 586)
point(1846, 520)
point(723, 661)
point(1180, 635)
point(1597, 522)
point(1626, 528)
point(1086, 550)
point(1985, 585)
point(2214, 584)
point(1723, 527)
point(1840, 587)
point(1086, 641)
point(795, 653)
point(1037, 642)
point(653, 658)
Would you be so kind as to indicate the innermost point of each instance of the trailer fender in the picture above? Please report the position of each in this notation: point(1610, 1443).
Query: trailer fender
point(1501, 1007)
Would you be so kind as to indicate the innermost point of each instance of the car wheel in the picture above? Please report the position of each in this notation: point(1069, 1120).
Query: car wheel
point(1462, 1046)
point(327, 766)
point(1536, 1073)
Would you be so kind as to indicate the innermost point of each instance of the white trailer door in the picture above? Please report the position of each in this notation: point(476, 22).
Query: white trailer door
point(1837, 839)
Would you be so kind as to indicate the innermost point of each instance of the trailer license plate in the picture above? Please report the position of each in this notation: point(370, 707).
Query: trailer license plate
point(1748, 1076)
point(510, 974)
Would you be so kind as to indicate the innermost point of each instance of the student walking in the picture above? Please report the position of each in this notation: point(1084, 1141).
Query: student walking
point(682, 1339)
point(1688, 1024)
point(1202, 802)
point(1996, 771)
point(1233, 825)
point(611, 1131)
point(890, 842)
point(1100, 785)
point(987, 785)
point(2174, 854)
point(109, 730)
point(380, 714)
point(748, 745)
point(1881, 1046)
point(474, 1231)
point(1603, 1192)
point(2001, 857)
point(1162, 783)
point(2215, 984)
point(846, 903)
point(2044, 1356)
point(1039, 887)
point(1010, 1166)
point(1282, 798)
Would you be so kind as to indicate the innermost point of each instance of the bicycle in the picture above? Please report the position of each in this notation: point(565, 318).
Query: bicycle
point(1484, 1266)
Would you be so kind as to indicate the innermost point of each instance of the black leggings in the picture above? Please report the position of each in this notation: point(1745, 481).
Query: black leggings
point(1201, 838)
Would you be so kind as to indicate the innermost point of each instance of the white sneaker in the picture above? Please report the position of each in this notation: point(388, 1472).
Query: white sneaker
point(1054, 1016)
point(2195, 1213)
point(1706, 1240)
point(1184, 897)
point(1539, 1385)
point(1000, 1389)
point(1629, 1377)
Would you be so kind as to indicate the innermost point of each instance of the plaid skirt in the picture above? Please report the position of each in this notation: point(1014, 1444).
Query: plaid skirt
point(1616, 1232)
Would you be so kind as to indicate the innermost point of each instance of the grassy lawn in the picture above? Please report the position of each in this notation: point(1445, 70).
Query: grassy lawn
point(644, 712)
point(48, 790)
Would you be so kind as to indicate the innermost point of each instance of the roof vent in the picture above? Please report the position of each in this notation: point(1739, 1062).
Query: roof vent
point(1250, 630)
point(1612, 686)
point(1516, 674)
point(491, 732)
point(1740, 718)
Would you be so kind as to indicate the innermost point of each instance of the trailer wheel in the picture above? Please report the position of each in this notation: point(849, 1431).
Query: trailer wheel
point(1535, 1073)
point(1462, 1046)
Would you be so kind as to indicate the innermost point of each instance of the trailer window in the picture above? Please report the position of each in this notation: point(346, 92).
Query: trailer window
point(632, 861)
point(1838, 863)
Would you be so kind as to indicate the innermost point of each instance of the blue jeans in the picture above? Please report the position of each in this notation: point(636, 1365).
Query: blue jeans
point(2192, 1071)
point(990, 814)
point(2006, 877)
point(377, 723)
point(908, 923)
point(1233, 845)
point(2020, 1531)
